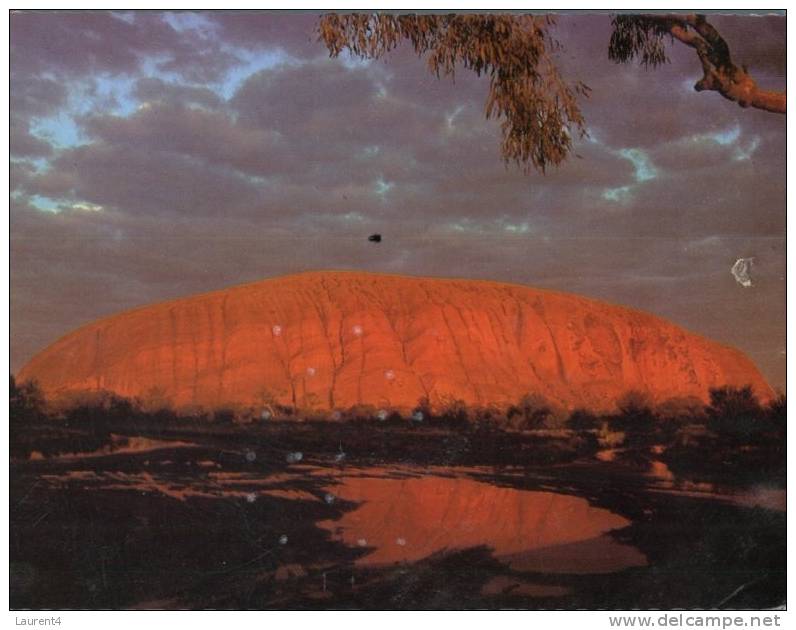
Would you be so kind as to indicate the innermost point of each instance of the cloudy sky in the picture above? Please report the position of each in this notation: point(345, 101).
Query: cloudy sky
point(156, 155)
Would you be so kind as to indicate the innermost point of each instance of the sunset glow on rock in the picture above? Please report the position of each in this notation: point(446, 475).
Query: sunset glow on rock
point(387, 341)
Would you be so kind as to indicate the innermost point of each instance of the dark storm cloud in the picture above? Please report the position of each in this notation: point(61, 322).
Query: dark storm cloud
point(194, 188)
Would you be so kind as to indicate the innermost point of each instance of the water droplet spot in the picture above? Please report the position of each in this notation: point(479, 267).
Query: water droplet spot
point(362, 542)
point(382, 415)
point(265, 414)
point(389, 375)
point(329, 498)
point(251, 497)
point(283, 539)
point(251, 456)
point(357, 330)
point(417, 416)
point(294, 457)
point(310, 371)
point(400, 541)
point(336, 415)
point(276, 330)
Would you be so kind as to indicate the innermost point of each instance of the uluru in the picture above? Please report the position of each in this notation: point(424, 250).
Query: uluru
point(333, 340)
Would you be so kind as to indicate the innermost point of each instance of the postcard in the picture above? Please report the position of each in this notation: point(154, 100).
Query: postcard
point(395, 310)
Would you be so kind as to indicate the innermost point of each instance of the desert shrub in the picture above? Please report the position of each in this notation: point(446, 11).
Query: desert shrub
point(693, 436)
point(453, 413)
point(164, 417)
point(675, 413)
point(487, 419)
point(101, 411)
point(358, 413)
point(26, 402)
point(26, 407)
point(532, 411)
point(777, 416)
point(735, 413)
point(681, 410)
point(634, 415)
point(557, 418)
point(422, 411)
point(393, 419)
point(583, 420)
point(224, 416)
point(284, 411)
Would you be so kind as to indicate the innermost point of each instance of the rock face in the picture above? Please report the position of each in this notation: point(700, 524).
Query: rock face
point(331, 340)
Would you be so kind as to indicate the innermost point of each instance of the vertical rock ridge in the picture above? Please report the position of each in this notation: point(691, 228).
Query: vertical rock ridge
point(292, 338)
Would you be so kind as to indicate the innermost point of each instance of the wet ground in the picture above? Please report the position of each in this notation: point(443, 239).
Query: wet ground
point(273, 519)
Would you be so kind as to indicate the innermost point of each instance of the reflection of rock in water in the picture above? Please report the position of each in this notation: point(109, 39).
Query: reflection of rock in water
point(432, 514)
point(601, 554)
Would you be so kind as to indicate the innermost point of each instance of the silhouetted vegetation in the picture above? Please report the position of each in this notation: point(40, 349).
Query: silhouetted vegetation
point(583, 420)
point(26, 402)
point(538, 108)
point(105, 541)
point(733, 432)
point(634, 416)
point(532, 412)
point(734, 413)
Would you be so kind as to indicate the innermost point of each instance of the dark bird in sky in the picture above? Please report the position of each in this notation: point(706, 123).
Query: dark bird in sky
point(375, 238)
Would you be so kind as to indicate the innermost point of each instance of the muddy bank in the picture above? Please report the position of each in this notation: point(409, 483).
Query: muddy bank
point(324, 520)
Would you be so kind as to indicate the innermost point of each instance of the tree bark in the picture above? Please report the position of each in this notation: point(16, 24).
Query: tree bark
point(720, 73)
